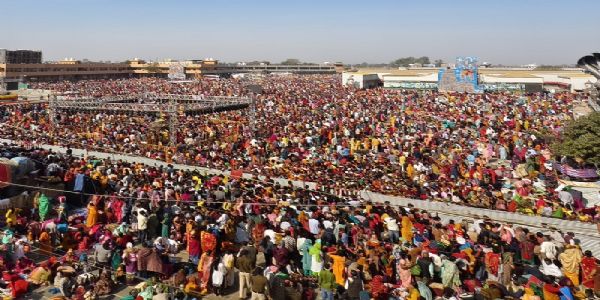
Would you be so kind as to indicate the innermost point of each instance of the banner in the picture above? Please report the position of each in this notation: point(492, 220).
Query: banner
point(463, 78)
point(177, 71)
point(411, 85)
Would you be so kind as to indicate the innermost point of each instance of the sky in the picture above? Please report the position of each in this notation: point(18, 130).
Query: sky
point(500, 32)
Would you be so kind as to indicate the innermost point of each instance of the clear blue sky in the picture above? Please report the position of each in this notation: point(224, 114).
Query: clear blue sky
point(506, 31)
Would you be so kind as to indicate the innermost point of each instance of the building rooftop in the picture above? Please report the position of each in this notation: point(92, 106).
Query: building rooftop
point(511, 75)
point(581, 75)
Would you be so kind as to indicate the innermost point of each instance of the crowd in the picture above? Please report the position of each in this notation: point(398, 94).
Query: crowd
point(486, 150)
point(181, 234)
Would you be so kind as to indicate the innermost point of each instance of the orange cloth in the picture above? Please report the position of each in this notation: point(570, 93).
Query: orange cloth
point(92, 216)
point(338, 268)
point(406, 230)
point(45, 242)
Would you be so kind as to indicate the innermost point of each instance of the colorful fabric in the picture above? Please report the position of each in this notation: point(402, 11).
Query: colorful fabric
point(43, 206)
point(209, 241)
point(588, 267)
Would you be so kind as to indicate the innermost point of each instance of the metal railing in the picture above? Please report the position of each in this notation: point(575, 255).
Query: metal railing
point(151, 103)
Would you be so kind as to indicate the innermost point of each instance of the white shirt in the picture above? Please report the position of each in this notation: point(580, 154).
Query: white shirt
point(549, 249)
point(313, 226)
point(285, 225)
point(142, 221)
point(551, 270)
point(218, 275)
point(222, 220)
point(299, 243)
point(436, 259)
point(392, 225)
point(271, 234)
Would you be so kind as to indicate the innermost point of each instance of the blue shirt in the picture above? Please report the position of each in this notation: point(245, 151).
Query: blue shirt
point(79, 181)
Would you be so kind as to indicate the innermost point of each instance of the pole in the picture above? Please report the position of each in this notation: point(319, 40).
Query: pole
point(172, 110)
point(52, 108)
point(253, 114)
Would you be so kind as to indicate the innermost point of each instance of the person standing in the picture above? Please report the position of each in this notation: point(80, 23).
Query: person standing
point(130, 259)
point(260, 285)
point(326, 283)
point(166, 225)
point(244, 265)
point(218, 278)
point(204, 266)
point(589, 269)
point(570, 260)
point(354, 285)
point(92, 215)
point(142, 226)
point(404, 264)
point(393, 228)
point(407, 227)
point(102, 253)
point(193, 246)
point(228, 261)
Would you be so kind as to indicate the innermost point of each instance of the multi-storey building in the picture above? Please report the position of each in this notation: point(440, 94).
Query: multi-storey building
point(24, 68)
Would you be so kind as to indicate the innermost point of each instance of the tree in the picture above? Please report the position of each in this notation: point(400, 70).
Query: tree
point(291, 61)
point(581, 139)
point(549, 68)
point(438, 62)
point(424, 60)
point(256, 63)
point(152, 68)
point(405, 61)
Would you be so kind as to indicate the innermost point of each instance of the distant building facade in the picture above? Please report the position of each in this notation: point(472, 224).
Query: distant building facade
point(26, 66)
point(20, 56)
point(488, 79)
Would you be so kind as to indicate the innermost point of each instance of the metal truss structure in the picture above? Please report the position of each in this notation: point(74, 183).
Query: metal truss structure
point(168, 104)
point(591, 63)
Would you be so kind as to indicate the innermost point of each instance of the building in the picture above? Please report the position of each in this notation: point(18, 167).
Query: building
point(512, 82)
point(20, 56)
point(361, 80)
point(276, 68)
point(526, 80)
point(489, 79)
point(26, 66)
point(12, 74)
point(425, 79)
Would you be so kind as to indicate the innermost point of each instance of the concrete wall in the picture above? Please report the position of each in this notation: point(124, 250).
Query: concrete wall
point(492, 79)
point(552, 77)
point(354, 79)
point(578, 83)
point(433, 77)
point(359, 80)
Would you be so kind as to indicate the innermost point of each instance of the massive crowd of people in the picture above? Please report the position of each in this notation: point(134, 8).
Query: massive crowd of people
point(280, 242)
point(486, 150)
point(466, 149)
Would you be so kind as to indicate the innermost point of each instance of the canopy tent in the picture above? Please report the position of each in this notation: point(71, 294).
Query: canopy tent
point(583, 173)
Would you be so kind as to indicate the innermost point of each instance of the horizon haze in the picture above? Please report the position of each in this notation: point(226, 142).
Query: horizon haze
point(501, 32)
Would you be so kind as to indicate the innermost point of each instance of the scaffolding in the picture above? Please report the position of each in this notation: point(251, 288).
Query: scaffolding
point(149, 103)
